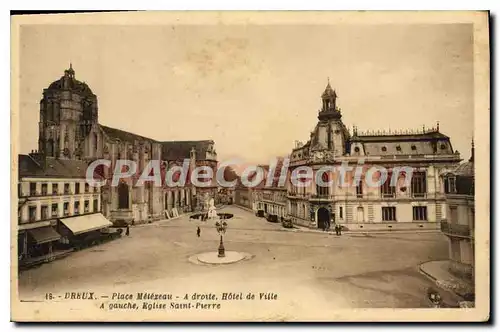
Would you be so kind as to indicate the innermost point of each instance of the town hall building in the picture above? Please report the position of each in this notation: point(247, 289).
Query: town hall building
point(418, 204)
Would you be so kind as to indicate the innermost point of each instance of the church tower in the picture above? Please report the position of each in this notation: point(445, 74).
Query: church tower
point(68, 112)
point(330, 133)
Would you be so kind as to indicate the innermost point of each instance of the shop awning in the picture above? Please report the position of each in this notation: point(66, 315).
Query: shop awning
point(86, 223)
point(44, 234)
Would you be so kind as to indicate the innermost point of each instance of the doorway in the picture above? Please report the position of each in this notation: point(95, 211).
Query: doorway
point(323, 216)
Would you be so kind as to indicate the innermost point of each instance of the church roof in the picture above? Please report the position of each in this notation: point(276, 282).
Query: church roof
point(177, 150)
point(123, 135)
point(73, 84)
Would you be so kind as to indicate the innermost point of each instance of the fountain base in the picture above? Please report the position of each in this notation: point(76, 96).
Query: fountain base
point(213, 258)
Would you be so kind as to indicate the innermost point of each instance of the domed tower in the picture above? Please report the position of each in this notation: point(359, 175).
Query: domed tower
point(330, 133)
point(68, 112)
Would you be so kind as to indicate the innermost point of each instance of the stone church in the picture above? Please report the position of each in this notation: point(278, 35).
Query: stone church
point(420, 204)
point(69, 129)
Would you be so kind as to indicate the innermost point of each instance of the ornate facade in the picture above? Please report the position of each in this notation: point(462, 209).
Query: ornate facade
point(69, 129)
point(420, 204)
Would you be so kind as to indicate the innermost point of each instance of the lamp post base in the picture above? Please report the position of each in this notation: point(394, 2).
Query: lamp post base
point(221, 248)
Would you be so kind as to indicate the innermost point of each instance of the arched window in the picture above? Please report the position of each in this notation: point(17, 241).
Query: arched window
point(323, 189)
point(123, 201)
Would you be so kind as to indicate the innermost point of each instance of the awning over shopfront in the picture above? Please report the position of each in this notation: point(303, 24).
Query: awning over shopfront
point(86, 223)
point(44, 234)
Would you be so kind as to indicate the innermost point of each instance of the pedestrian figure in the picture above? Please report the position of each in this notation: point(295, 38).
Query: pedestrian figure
point(127, 232)
point(336, 229)
point(198, 231)
point(340, 230)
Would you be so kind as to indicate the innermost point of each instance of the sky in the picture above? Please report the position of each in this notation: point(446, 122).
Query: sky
point(255, 89)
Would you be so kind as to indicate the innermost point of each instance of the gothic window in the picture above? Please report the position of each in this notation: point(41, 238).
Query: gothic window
point(50, 148)
point(389, 213)
point(419, 213)
point(123, 200)
point(419, 184)
point(95, 143)
point(50, 113)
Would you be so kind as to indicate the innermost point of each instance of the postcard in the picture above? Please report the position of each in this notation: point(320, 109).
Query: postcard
point(250, 167)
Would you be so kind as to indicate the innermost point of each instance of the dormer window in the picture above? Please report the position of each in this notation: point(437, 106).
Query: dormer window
point(356, 149)
point(414, 148)
point(398, 148)
point(443, 146)
point(384, 149)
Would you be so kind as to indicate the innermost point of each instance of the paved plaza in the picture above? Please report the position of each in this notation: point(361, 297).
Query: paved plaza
point(309, 272)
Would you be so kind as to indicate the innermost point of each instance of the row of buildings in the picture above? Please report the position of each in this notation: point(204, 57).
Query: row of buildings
point(57, 206)
point(433, 199)
point(52, 190)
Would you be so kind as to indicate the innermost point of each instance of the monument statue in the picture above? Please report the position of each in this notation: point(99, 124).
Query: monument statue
point(212, 213)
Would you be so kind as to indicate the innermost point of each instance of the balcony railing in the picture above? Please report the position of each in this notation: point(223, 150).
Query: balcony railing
point(456, 230)
point(320, 197)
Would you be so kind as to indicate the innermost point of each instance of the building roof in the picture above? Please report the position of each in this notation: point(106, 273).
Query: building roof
point(417, 143)
point(400, 137)
point(171, 150)
point(123, 135)
point(73, 84)
point(329, 92)
point(465, 169)
point(54, 168)
point(177, 150)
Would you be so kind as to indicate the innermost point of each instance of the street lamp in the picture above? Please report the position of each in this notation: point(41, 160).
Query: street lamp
point(221, 229)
